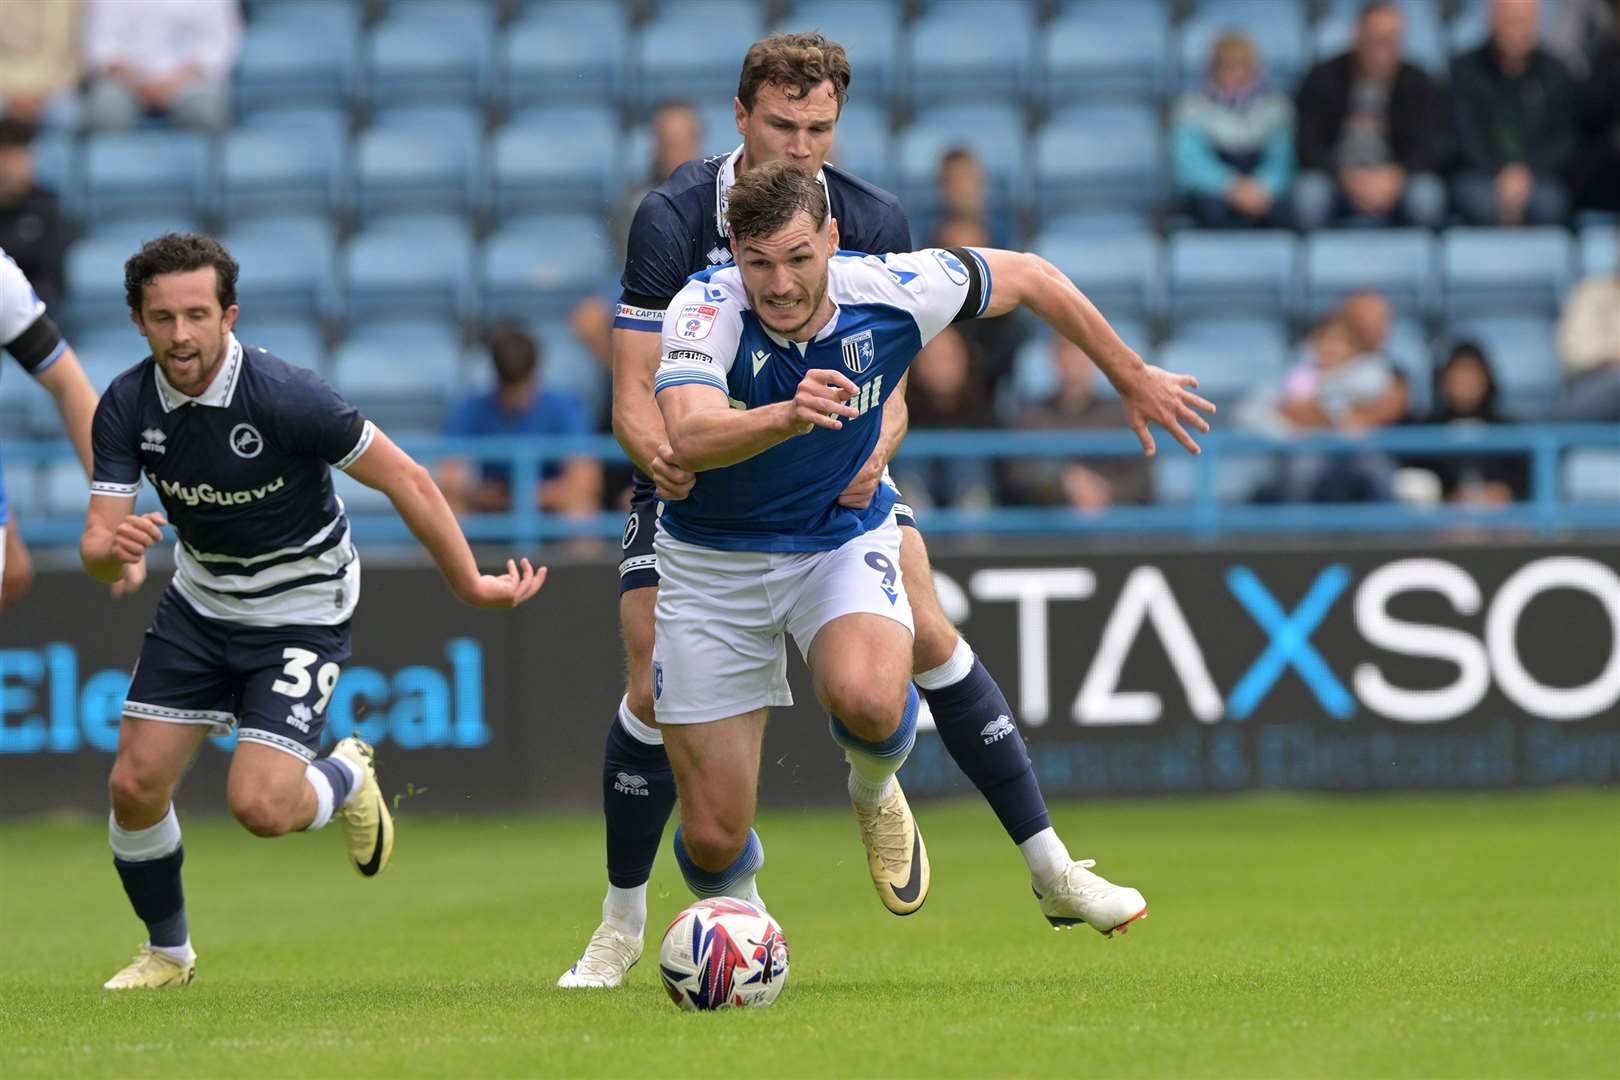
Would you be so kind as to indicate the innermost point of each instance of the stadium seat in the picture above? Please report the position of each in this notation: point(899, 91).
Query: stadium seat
point(145, 172)
point(1233, 273)
point(1034, 378)
point(1399, 263)
point(25, 493)
point(431, 52)
point(1521, 352)
point(693, 49)
point(564, 50)
point(538, 266)
point(299, 53)
point(417, 266)
point(399, 372)
point(1230, 356)
point(995, 133)
point(286, 171)
point(1105, 50)
point(1599, 247)
point(1413, 355)
point(419, 159)
point(863, 144)
point(108, 351)
point(557, 157)
point(296, 341)
point(95, 266)
point(1277, 30)
point(1591, 474)
point(1121, 273)
point(1502, 271)
point(56, 166)
point(568, 365)
point(326, 124)
point(1237, 477)
point(288, 266)
point(971, 51)
point(1423, 36)
point(1098, 222)
point(869, 31)
point(1099, 156)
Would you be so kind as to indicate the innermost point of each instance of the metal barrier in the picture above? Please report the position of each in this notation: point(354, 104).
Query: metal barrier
point(1547, 512)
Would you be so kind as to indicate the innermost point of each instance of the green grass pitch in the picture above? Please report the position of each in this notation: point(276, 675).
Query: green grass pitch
point(1457, 936)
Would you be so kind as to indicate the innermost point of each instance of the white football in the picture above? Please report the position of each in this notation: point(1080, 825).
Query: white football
point(723, 954)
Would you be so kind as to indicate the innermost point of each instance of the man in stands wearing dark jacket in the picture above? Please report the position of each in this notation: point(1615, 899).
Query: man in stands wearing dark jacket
point(32, 232)
point(1367, 133)
point(1515, 122)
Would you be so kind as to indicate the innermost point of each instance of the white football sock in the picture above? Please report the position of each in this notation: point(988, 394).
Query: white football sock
point(626, 910)
point(183, 954)
point(324, 797)
point(1046, 856)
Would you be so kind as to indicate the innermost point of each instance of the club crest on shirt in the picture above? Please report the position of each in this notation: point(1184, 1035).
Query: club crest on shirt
point(696, 321)
point(246, 441)
point(859, 351)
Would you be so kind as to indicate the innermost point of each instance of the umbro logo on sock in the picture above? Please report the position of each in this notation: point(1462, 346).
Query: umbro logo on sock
point(997, 729)
point(625, 784)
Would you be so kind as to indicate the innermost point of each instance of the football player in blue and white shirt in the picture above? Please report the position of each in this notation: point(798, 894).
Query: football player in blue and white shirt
point(252, 633)
point(772, 384)
point(29, 334)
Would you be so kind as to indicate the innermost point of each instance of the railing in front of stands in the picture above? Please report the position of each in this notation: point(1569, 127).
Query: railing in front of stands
point(1206, 514)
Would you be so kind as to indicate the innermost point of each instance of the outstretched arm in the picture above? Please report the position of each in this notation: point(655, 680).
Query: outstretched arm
point(1019, 279)
point(388, 469)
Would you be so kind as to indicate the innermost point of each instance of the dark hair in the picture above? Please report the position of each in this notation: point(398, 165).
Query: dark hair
point(15, 132)
point(514, 353)
point(1462, 352)
point(767, 197)
point(176, 253)
point(956, 155)
point(798, 63)
point(1373, 6)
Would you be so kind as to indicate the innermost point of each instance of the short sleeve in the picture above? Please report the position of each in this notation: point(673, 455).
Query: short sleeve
point(942, 286)
point(113, 441)
point(701, 332)
point(314, 420)
point(656, 264)
point(25, 330)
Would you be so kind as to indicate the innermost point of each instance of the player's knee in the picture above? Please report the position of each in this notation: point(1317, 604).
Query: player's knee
point(261, 814)
point(712, 843)
point(134, 790)
point(934, 639)
point(871, 712)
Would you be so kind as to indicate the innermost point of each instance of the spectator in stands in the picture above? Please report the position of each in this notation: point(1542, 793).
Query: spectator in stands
point(157, 58)
point(1465, 393)
point(1589, 345)
point(962, 190)
point(992, 343)
point(1091, 485)
point(944, 394)
point(39, 60)
point(519, 405)
point(1232, 141)
point(1597, 158)
point(1369, 133)
point(1514, 114)
point(1579, 31)
point(677, 136)
point(31, 229)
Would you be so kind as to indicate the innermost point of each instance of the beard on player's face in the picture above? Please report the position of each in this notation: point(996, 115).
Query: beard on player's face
point(788, 310)
point(185, 328)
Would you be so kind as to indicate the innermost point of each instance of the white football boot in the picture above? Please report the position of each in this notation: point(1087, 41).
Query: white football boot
point(1079, 896)
point(607, 959)
point(895, 855)
point(152, 970)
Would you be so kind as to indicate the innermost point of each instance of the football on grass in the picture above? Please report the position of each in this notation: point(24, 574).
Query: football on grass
point(723, 954)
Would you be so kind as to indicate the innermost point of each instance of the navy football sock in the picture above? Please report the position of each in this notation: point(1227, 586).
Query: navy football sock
point(148, 862)
point(638, 795)
point(975, 724)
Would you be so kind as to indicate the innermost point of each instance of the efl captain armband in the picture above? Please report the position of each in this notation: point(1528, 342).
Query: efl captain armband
point(631, 317)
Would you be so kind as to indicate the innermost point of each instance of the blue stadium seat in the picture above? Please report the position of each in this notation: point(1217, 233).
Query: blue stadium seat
point(1600, 249)
point(994, 132)
point(1034, 378)
point(1121, 273)
point(869, 31)
point(972, 51)
point(537, 266)
point(567, 365)
point(56, 166)
point(288, 266)
point(1175, 475)
point(414, 266)
point(399, 372)
point(95, 266)
point(693, 49)
point(1098, 222)
point(299, 53)
point(326, 124)
point(1099, 156)
point(1502, 271)
point(1230, 356)
point(1409, 347)
point(863, 144)
point(564, 50)
point(107, 352)
point(1423, 37)
point(1591, 474)
point(1277, 30)
point(1521, 352)
point(561, 156)
point(296, 341)
point(431, 52)
point(145, 172)
point(1233, 272)
point(1113, 50)
point(263, 169)
point(419, 159)
point(25, 484)
point(1400, 263)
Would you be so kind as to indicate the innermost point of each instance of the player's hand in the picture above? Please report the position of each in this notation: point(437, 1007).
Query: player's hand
point(134, 577)
point(858, 495)
point(1167, 399)
point(135, 534)
point(673, 482)
point(508, 590)
point(822, 397)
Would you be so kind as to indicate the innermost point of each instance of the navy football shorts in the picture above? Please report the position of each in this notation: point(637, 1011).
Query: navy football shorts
point(270, 684)
point(638, 566)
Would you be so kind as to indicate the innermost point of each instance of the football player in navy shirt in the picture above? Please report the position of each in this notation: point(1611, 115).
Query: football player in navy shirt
point(252, 633)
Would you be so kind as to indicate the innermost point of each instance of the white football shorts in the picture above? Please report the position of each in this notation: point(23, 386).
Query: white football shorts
point(721, 616)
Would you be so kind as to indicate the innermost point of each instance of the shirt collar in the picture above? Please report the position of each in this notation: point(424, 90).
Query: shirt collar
point(219, 392)
point(728, 176)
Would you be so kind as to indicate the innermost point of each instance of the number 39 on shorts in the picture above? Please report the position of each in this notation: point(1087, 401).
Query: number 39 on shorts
point(297, 682)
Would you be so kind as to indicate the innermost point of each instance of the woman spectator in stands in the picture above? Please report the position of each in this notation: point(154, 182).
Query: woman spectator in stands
point(1465, 393)
point(1232, 141)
